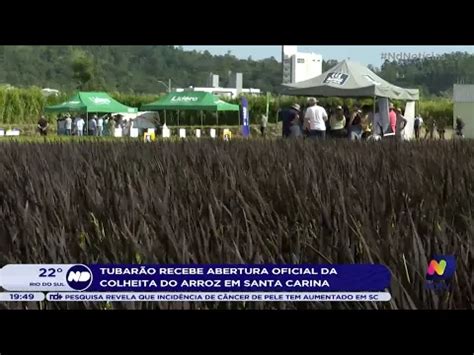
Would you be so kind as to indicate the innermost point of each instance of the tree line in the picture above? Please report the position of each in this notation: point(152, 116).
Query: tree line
point(137, 69)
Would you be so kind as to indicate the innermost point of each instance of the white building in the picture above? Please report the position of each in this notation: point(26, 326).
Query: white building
point(299, 66)
point(463, 97)
point(232, 92)
point(225, 92)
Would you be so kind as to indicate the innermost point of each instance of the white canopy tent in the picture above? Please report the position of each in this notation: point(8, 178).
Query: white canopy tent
point(351, 79)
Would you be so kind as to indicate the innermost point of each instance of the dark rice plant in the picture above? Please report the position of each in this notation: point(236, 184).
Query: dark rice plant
point(244, 202)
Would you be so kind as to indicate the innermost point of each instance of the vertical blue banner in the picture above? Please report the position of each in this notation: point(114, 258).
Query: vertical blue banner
point(245, 118)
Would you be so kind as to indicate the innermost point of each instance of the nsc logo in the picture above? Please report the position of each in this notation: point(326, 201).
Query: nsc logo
point(79, 277)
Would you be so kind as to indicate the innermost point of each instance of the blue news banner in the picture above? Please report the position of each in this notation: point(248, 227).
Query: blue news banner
point(308, 282)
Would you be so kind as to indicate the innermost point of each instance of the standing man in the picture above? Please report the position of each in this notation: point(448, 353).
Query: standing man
point(459, 127)
point(441, 130)
point(392, 115)
point(401, 124)
point(92, 125)
point(315, 120)
point(61, 125)
point(43, 126)
point(100, 126)
point(288, 116)
point(431, 123)
point(68, 124)
point(418, 123)
point(263, 124)
point(80, 126)
point(111, 125)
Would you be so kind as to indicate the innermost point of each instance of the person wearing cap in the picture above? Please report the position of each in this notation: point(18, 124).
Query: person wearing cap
point(392, 115)
point(337, 123)
point(315, 120)
point(355, 125)
point(295, 127)
point(289, 117)
point(68, 123)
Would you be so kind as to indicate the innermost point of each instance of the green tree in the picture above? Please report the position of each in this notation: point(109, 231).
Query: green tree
point(83, 69)
point(135, 68)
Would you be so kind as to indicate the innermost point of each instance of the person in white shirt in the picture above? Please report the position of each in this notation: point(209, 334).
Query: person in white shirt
point(68, 124)
point(315, 120)
point(80, 126)
point(100, 126)
point(400, 124)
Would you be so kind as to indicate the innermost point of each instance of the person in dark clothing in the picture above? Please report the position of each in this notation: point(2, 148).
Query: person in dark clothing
point(431, 127)
point(43, 126)
point(441, 130)
point(288, 116)
point(459, 127)
point(418, 124)
point(296, 128)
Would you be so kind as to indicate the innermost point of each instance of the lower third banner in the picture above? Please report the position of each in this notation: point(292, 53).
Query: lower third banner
point(219, 296)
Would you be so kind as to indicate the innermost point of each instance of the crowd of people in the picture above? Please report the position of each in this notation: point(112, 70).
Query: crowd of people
point(432, 126)
point(82, 125)
point(315, 122)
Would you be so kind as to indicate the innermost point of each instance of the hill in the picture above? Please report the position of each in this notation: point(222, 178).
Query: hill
point(136, 69)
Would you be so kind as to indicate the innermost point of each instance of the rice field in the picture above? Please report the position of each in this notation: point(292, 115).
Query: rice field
point(257, 201)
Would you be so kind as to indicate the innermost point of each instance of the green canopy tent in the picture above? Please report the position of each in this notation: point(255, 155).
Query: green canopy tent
point(191, 100)
point(91, 102)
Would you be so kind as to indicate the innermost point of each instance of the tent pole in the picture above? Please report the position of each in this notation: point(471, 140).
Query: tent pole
point(201, 121)
point(374, 130)
point(165, 116)
point(87, 123)
point(217, 118)
point(178, 117)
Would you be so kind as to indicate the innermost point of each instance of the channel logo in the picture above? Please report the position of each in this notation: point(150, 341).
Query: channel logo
point(441, 267)
point(79, 277)
point(55, 296)
point(435, 267)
